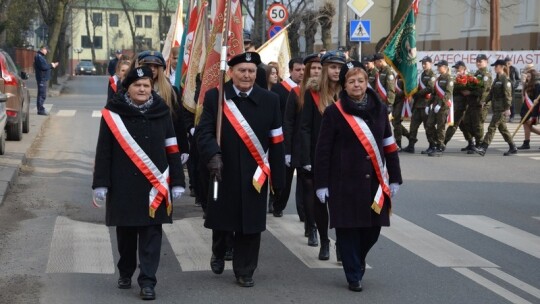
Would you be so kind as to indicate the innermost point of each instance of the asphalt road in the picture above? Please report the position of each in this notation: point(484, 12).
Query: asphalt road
point(465, 229)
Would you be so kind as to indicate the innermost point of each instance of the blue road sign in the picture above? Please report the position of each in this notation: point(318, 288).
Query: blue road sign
point(360, 30)
point(273, 30)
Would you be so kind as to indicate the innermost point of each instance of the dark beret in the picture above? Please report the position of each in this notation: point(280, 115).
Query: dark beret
point(250, 57)
point(333, 57)
point(153, 57)
point(499, 62)
point(349, 66)
point(136, 74)
point(442, 62)
point(459, 64)
point(426, 59)
point(312, 58)
point(378, 56)
point(481, 57)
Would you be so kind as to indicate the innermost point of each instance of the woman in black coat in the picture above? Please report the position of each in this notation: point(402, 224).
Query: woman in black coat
point(356, 170)
point(137, 168)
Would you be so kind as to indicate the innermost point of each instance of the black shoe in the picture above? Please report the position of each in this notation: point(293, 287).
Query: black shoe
point(469, 146)
point(245, 281)
point(409, 149)
point(513, 150)
point(324, 253)
point(148, 293)
point(312, 238)
point(44, 113)
point(437, 152)
point(217, 265)
point(124, 283)
point(525, 146)
point(482, 149)
point(228, 255)
point(355, 286)
point(277, 213)
point(428, 150)
point(338, 254)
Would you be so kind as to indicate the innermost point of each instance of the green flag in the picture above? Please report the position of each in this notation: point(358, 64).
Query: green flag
point(400, 53)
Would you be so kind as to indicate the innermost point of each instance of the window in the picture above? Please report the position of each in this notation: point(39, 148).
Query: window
point(138, 21)
point(97, 19)
point(98, 42)
point(148, 21)
point(113, 20)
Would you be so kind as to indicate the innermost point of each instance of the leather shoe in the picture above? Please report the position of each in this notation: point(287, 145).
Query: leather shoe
point(44, 113)
point(124, 283)
point(355, 286)
point(229, 254)
point(217, 265)
point(245, 281)
point(324, 252)
point(148, 293)
point(277, 213)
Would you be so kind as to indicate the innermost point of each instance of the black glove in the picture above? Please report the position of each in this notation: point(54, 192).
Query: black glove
point(215, 165)
point(276, 194)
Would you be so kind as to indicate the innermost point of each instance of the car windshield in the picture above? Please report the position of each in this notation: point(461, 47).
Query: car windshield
point(85, 63)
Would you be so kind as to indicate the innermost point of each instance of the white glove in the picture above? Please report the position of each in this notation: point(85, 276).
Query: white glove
point(394, 187)
point(288, 160)
point(192, 131)
point(177, 192)
point(322, 194)
point(99, 196)
point(507, 113)
point(437, 108)
point(427, 110)
point(184, 157)
point(307, 167)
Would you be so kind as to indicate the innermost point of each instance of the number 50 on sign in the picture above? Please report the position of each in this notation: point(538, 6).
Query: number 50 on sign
point(277, 13)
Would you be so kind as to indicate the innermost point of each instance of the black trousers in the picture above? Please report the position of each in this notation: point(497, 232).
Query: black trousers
point(246, 250)
point(281, 204)
point(149, 245)
point(354, 245)
point(314, 208)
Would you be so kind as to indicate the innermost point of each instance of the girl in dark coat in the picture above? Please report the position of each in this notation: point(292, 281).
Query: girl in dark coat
point(356, 170)
point(137, 162)
point(530, 93)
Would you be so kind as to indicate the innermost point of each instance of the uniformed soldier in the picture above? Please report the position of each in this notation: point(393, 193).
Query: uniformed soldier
point(501, 97)
point(438, 109)
point(385, 81)
point(421, 100)
point(397, 119)
point(372, 71)
point(477, 110)
point(460, 106)
point(250, 153)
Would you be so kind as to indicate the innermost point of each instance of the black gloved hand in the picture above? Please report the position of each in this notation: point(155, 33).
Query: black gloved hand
point(215, 165)
point(276, 194)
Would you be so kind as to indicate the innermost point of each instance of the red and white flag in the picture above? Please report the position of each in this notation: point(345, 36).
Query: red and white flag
point(174, 36)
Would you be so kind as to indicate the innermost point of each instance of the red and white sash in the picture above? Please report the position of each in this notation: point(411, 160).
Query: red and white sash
point(449, 103)
point(366, 138)
point(316, 99)
point(528, 102)
point(406, 110)
point(158, 180)
point(289, 84)
point(112, 81)
point(254, 146)
point(380, 89)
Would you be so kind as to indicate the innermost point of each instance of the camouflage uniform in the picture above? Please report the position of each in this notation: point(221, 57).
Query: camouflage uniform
point(477, 110)
point(399, 129)
point(372, 77)
point(460, 108)
point(388, 81)
point(438, 112)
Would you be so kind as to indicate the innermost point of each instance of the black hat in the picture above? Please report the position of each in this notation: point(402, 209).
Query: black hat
point(250, 57)
point(371, 58)
point(426, 59)
point(136, 74)
point(333, 57)
point(442, 62)
point(458, 64)
point(507, 59)
point(348, 66)
point(365, 59)
point(153, 57)
point(312, 58)
point(43, 46)
point(481, 57)
point(247, 38)
point(118, 52)
point(499, 62)
point(378, 56)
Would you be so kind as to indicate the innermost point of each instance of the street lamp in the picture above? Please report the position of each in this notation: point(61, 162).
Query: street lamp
point(78, 51)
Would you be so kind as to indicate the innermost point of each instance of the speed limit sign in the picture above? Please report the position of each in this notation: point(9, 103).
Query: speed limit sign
point(277, 13)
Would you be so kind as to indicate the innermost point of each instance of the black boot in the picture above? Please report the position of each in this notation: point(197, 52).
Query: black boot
point(468, 147)
point(409, 148)
point(436, 152)
point(429, 150)
point(312, 238)
point(270, 204)
point(525, 145)
point(511, 151)
point(324, 253)
point(474, 148)
point(482, 150)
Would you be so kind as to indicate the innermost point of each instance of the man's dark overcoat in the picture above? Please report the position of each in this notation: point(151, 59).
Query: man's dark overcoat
point(291, 128)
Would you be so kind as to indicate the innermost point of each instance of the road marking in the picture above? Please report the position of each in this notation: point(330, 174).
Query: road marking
point(510, 296)
point(96, 113)
point(536, 217)
point(431, 247)
point(191, 243)
point(290, 232)
point(499, 231)
point(66, 113)
point(79, 247)
point(514, 281)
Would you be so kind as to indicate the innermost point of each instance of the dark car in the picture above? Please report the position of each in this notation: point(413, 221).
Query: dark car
point(3, 120)
point(18, 97)
point(85, 67)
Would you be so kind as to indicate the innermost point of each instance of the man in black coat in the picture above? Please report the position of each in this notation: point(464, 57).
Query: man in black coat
point(43, 74)
point(248, 155)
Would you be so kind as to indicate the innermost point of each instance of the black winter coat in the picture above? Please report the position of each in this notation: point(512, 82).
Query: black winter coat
point(239, 206)
point(344, 167)
point(128, 189)
point(283, 94)
point(309, 128)
point(291, 129)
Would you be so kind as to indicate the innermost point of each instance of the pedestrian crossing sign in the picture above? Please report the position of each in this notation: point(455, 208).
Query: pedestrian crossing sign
point(360, 30)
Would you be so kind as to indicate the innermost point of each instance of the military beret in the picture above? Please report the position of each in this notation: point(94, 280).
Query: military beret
point(378, 56)
point(153, 57)
point(459, 64)
point(136, 74)
point(371, 58)
point(312, 58)
point(349, 66)
point(442, 62)
point(250, 57)
point(365, 59)
point(507, 59)
point(499, 62)
point(481, 57)
point(333, 57)
point(426, 59)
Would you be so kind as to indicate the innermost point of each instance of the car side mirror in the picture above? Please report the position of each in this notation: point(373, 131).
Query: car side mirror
point(3, 97)
point(24, 75)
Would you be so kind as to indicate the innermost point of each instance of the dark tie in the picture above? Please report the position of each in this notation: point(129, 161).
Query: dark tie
point(243, 94)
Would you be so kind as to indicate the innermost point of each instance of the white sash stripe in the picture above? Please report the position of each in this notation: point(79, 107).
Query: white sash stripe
point(171, 141)
point(291, 82)
point(388, 141)
point(276, 132)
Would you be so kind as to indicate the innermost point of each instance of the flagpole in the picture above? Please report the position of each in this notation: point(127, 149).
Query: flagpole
point(222, 68)
point(391, 35)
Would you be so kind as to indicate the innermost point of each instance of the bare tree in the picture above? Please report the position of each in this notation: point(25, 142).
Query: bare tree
point(127, 10)
point(89, 21)
point(310, 20)
point(326, 13)
point(4, 6)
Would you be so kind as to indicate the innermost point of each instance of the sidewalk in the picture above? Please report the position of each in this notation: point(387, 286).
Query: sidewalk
point(18, 151)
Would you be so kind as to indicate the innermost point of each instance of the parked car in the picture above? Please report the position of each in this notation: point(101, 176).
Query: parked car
point(85, 67)
point(12, 83)
point(3, 120)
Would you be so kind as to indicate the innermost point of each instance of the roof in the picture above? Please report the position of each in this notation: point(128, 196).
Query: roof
point(137, 5)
